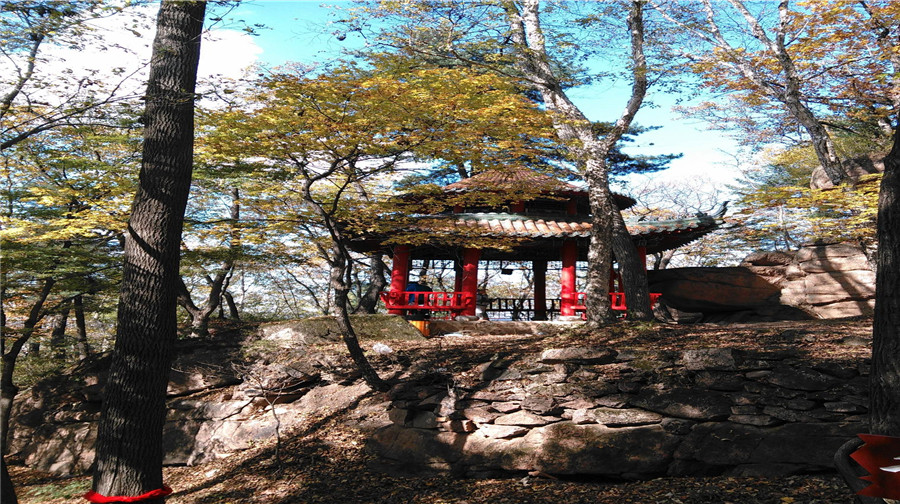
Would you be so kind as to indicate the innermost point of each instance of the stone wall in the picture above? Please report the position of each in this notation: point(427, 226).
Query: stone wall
point(817, 281)
point(591, 411)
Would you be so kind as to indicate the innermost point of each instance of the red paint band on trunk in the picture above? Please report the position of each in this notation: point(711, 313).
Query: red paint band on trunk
point(93, 496)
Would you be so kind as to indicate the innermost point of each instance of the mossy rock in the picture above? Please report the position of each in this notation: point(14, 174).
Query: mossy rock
point(291, 333)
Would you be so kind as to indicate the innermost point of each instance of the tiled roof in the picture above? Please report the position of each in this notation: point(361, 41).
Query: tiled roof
point(525, 179)
point(659, 235)
point(512, 178)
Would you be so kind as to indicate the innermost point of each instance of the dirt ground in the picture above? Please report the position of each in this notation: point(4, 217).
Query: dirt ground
point(325, 461)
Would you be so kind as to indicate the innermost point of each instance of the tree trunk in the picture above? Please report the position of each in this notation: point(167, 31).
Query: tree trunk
point(7, 491)
point(573, 127)
point(663, 259)
point(341, 277)
point(340, 283)
point(58, 325)
point(8, 388)
point(634, 275)
point(884, 403)
point(597, 303)
point(81, 342)
point(233, 312)
point(129, 440)
point(369, 301)
point(200, 315)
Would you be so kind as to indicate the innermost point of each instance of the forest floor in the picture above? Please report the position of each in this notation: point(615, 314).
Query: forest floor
point(325, 462)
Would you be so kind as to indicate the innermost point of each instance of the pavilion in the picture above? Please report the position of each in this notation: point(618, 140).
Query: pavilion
point(533, 218)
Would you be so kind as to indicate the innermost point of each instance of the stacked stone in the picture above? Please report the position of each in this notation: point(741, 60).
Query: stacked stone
point(591, 411)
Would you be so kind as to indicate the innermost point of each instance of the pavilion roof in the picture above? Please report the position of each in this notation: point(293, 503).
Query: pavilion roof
point(525, 179)
point(657, 235)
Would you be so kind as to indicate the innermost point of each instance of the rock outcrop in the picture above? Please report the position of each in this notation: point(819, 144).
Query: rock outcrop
point(224, 395)
point(854, 168)
point(817, 281)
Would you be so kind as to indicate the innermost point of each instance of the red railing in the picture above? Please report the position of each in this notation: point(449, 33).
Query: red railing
point(455, 303)
point(616, 300)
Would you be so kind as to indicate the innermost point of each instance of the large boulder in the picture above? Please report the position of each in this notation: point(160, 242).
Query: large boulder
point(309, 331)
point(854, 168)
point(817, 281)
point(713, 289)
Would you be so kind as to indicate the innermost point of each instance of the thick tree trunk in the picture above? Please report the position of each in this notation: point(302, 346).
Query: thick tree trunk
point(634, 276)
point(599, 311)
point(129, 442)
point(7, 491)
point(884, 398)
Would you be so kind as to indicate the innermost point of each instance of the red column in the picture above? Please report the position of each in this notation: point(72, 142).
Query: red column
point(567, 278)
point(399, 272)
point(470, 277)
point(540, 289)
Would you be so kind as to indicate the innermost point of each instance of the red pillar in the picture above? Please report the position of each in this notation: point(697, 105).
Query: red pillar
point(399, 272)
point(540, 289)
point(567, 278)
point(470, 277)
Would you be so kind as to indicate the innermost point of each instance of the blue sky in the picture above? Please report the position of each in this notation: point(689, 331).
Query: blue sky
point(304, 31)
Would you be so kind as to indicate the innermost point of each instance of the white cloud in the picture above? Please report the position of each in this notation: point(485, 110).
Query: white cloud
point(227, 53)
point(116, 55)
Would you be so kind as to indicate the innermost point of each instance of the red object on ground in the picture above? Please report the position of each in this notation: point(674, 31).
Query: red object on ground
point(93, 496)
point(880, 457)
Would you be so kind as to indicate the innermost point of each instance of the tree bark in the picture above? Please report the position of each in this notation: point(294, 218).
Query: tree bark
point(8, 388)
point(129, 443)
point(884, 403)
point(59, 322)
point(82, 346)
point(787, 92)
point(573, 127)
point(233, 312)
point(341, 274)
point(340, 283)
point(200, 315)
point(7, 491)
point(634, 275)
point(369, 301)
